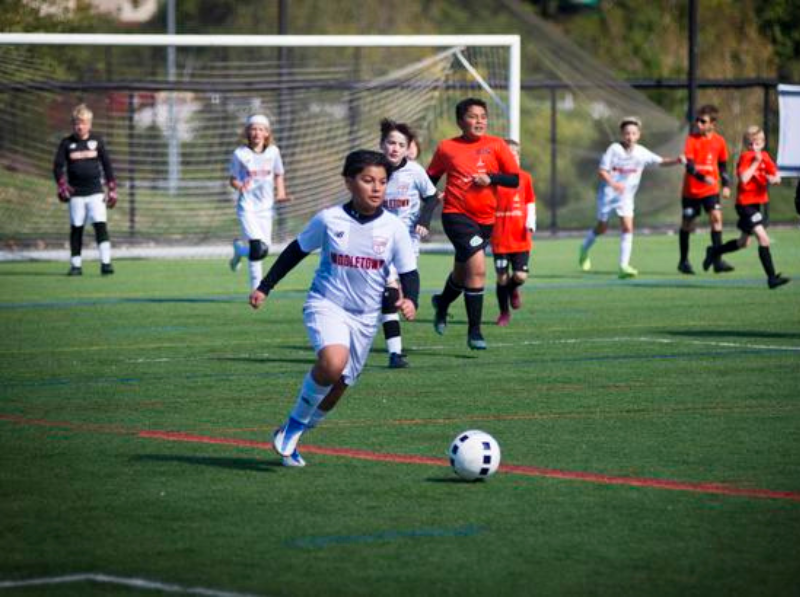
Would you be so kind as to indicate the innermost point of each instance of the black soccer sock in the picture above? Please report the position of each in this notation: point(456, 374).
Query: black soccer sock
point(449, 294)
point(473, 300)
point(503, 297)
point(716, 243)
point(729, 246)
point(684, 244)
point(513, 284)
point(101, 232)
point(391, 321)
point(76, 240)
point(766, 261)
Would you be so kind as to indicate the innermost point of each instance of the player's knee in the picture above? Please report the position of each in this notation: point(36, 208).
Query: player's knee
point(520, 277)
point(502, 278)
point(391, 296)
point(101, 232)
point(258, 250)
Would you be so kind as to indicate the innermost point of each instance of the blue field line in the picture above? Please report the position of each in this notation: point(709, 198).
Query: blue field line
point(531, 284)
point(65, 381)
point(382, 536)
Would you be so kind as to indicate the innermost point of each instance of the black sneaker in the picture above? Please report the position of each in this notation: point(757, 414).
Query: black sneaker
point(777, 281)
point(709, 259)
point(106, 269)
point(722, 267)
point(439, 318)
point(396, 361)
point(685, 268)
point(75, 271)
point(475, 341)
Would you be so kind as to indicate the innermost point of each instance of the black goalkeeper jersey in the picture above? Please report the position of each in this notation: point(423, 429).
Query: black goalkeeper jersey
point(86, 162)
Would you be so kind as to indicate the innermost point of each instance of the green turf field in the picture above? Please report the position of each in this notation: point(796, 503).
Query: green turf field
point(653, 426)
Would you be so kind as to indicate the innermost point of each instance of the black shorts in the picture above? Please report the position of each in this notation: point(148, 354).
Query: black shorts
point(692, 206)
point(467, 236)
point(751, 215)
point(518, 261)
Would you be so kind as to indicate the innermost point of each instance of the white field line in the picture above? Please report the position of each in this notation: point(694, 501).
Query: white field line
point(132, 582)
point(644, 340)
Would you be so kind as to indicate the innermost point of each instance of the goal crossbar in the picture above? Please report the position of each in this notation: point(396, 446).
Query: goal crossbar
point(512, 42)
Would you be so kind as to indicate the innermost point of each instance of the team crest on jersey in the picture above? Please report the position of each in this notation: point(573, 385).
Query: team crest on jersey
point(92, 144)
point(379, 244)
point(338, 234)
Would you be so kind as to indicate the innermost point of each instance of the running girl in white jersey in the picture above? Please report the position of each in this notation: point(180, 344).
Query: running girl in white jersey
point(256, 173)
point(620, 173)
point(359, 242)
point(411, 196)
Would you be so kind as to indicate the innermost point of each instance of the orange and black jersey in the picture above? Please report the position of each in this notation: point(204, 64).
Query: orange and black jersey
point(460, 159)
point(706, 156)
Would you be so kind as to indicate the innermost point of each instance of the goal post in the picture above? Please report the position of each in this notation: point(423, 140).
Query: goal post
point(172, 125)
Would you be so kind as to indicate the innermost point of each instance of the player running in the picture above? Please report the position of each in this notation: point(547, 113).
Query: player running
point(475, 164)
point(80, 164)
point(256, 173)
point(408, 191)
point(620, 173)
point(359, 242)
point(756, 171)
point(511, 239)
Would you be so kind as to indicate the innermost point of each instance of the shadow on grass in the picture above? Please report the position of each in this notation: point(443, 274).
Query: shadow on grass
point(774, 335)
point(453, 479)
point(236, 464)
point(309, 360)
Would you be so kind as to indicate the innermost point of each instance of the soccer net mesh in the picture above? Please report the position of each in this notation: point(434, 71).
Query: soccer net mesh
point(171, 123)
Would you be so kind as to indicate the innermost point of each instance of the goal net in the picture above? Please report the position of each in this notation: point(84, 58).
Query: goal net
point(171, 110)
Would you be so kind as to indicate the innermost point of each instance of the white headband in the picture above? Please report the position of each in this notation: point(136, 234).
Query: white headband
point(257, 120)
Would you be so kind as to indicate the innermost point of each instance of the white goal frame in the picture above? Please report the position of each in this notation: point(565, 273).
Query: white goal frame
point(512, 42)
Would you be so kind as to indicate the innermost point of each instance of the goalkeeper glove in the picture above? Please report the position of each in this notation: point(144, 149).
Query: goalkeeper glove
point(64, 190)
point(111, 200)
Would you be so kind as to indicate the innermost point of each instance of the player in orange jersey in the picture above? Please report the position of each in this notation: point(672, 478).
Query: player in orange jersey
point(706, 168)
point(756, 170)
point(475, 164)
point(511, 239)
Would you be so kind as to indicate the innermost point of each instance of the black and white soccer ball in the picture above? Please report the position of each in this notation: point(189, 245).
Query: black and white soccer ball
point(474, 455)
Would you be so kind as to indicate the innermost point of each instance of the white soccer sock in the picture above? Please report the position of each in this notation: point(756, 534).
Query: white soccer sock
point(75, 261)
point(105, 252)
point(256, 273)
point(625, 248)
point(589, 240)
point(394, 345)
point(309, 398)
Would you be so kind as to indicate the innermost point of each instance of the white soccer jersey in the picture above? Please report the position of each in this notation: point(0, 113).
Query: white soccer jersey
point(405, 191)
point(355, 257)
point(260, 171)
point(625, 167)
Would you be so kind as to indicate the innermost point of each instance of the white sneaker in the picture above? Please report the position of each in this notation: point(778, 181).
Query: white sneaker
point(285, 438)
point(294, 461)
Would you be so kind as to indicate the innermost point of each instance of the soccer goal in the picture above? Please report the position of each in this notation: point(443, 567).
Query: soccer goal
point(171, 110)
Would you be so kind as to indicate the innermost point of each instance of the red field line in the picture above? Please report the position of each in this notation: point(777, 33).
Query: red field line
point(641, 482)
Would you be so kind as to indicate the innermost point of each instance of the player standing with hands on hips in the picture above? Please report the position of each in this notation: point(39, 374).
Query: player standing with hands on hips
point(756, 171)
point(256, 173)
point(80, 165)
point(359, 242)
point(475, 164)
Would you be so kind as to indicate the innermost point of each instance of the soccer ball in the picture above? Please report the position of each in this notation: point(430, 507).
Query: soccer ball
point(474, 455)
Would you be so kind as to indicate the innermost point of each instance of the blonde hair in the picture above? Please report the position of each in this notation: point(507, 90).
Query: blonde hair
point(750, 134)
point(82, 112)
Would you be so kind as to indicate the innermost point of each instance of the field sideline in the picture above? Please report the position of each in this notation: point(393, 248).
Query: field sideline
point(648, 429)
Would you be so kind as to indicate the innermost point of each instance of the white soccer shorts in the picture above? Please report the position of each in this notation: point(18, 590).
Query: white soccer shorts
point(87, 208)
point(328, 324)
point(623, 207)
point(256, 225)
